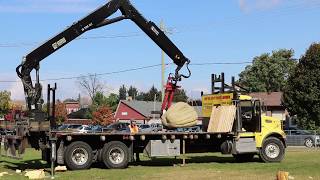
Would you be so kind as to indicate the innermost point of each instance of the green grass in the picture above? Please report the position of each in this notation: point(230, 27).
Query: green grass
point(301, 163)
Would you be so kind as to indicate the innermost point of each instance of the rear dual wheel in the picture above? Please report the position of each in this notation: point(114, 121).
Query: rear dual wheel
point(78, 155)
point(115, 155)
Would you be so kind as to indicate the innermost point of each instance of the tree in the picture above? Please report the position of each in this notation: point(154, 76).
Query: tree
point(99, 99)
point(4, 102)
point(91, 84)
point(153, 94)
point(113, 101)
point(268, 73)
point(70, 100)
point(180, 96)
point(61, 112)
point(122, 93)
point(103, 116)
point(141, 96)
point(83, 113)
point(301, 95)
point(133, 92)
point(150, 95)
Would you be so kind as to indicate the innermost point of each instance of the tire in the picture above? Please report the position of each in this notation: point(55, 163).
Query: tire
point(115, 155)
point(243, 157)
point(272, 150)
point(308, 143)
point(78, 155)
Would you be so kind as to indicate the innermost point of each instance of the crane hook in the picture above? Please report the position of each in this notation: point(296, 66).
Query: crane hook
point(179, 76)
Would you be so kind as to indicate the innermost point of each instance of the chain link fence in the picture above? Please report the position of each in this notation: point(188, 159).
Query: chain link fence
point(307, 138)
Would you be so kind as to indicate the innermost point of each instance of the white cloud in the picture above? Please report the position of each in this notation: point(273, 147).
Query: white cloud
point(251, 5)
point(42, 6)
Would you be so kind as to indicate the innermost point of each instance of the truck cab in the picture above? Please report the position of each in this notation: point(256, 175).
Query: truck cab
point(254, 133)
point(263, 129)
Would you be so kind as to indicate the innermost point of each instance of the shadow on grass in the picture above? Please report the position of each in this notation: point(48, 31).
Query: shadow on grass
point(27, 164)
point(189, 160)
point(39, 164)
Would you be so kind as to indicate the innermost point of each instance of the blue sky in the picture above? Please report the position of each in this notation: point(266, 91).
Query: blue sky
point(205, 31)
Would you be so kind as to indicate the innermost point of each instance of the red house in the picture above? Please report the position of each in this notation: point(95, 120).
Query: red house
point(72, 107)
point(139, 111)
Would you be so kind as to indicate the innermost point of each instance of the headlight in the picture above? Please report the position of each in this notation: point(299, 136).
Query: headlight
point(317, 137)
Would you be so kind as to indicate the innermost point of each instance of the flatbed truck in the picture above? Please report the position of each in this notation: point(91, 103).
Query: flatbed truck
point(251, 134)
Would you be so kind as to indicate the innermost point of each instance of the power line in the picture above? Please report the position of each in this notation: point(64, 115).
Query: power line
point(222, 63)
point(284, 11)
point(130, 70)
point(127, 35)
point(91, 74)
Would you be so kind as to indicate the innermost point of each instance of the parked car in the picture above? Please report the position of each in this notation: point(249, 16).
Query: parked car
point(96, 129)
point(298, 137)
point(117, 127)
point(84, 129)
point(68, 127)
point(157, 126)
point(146, 128)
point(196, 128)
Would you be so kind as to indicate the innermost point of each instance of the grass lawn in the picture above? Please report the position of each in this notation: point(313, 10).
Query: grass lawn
point(301, 163)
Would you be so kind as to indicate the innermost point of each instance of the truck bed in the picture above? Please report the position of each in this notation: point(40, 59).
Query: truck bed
point(151, 135)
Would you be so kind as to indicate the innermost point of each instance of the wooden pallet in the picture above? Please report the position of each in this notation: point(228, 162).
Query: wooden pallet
point(222, 118)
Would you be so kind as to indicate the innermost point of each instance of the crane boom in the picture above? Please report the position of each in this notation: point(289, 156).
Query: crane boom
point(95, 19)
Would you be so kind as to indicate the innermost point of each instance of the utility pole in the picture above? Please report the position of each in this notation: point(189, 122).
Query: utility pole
point(163, 66)
point(163, 63)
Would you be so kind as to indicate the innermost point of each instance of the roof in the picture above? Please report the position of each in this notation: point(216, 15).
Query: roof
point(269, 99)
point(71, 102)
point(143, 107)
point(81, 114)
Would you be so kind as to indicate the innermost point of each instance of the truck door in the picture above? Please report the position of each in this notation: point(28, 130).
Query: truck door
point(257, 115)
point(250, 115)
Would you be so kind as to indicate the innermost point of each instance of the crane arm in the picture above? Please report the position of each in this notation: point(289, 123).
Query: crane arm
point(96, 19)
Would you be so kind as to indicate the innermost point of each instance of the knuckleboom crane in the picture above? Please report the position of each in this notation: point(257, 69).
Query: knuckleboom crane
point(116, 150)
point(97, 19)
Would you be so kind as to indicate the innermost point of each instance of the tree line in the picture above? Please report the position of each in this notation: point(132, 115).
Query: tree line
point(279, 71)
point(298, 79)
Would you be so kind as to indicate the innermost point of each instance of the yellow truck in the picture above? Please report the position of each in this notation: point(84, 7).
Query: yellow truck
point(254, 132)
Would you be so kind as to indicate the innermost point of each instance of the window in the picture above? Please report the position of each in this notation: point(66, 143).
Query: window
point(124, 113)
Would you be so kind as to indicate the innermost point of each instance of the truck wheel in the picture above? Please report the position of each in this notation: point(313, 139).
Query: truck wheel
point(243, 157)
point(272, 150)
point(115, 155)
point(308, 142)
point(78, 155)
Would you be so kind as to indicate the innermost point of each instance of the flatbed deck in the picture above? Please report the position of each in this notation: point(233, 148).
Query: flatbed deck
point(66, 133)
